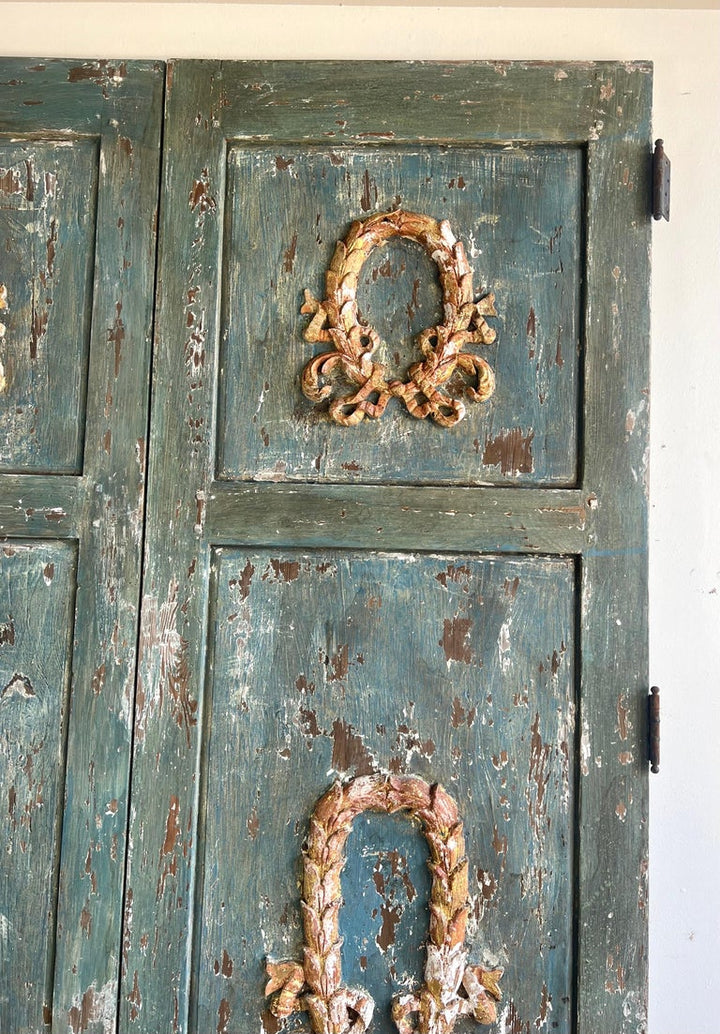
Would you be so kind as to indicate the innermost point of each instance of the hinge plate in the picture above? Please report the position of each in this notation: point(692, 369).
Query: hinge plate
point(661, 183)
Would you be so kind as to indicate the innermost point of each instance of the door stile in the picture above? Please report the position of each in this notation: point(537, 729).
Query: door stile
point(199, 873)
point(162, 856)
point(100, 720)
point(613, 801)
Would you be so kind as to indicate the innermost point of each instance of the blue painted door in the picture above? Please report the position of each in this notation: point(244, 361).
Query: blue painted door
point(79, 158)
point(346, 585)
point(385, 602)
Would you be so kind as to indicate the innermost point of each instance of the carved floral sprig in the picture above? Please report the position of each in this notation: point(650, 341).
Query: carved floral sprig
point(336, 320)
point(451, 987)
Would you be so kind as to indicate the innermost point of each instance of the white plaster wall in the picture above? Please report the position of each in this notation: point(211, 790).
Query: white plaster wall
point(685, 455)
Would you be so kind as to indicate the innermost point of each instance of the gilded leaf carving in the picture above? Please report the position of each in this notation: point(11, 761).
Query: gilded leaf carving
point(452, 988)
point(336, 320)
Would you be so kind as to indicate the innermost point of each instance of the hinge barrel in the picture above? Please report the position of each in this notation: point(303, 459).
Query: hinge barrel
point(654, 729)
point(661, 183)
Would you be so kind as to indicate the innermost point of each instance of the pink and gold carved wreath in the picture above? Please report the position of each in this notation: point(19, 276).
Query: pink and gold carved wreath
point(451, 988)
point(336, 319)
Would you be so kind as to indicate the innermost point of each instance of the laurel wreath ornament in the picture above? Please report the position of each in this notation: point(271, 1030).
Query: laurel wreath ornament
point(452, 988)
point(336, 320)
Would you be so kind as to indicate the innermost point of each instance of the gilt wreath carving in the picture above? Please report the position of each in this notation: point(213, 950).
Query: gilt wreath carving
point(336, 319)
point(451, 988)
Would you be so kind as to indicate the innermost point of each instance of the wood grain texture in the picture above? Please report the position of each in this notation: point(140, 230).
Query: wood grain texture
point(257, 609)
point(389, 517)
point(103, 119)
point(40, 506)
point(404, 101)
point(155, 962)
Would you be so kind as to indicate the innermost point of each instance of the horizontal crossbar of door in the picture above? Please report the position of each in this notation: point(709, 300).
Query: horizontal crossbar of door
point(41, 505)
point(515, 520)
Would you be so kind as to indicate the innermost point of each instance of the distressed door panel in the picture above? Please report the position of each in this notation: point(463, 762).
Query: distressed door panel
point(48, 196)
point(257, 607)
point(37, 602)
point(79, 150)
point(517, 212)
point(325, 666)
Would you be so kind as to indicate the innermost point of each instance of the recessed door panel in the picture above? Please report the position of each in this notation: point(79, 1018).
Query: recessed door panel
point(48, 196)
point(332, 666)
point(517, 212)
point(37, 602)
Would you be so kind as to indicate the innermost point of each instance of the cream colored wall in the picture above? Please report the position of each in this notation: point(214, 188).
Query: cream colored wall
point(685, 453)
point(686, 5)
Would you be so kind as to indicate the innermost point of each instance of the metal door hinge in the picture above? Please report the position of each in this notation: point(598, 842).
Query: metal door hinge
point(661, 183)
point(654, 729)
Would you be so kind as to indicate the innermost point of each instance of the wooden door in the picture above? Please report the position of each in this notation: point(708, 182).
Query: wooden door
point(79, 165)
point(462, 604)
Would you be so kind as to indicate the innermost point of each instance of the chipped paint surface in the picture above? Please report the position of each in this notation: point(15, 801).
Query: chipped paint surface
point(161, 639)
point(95, 1010)
point(511, 451)
point(3, 329)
